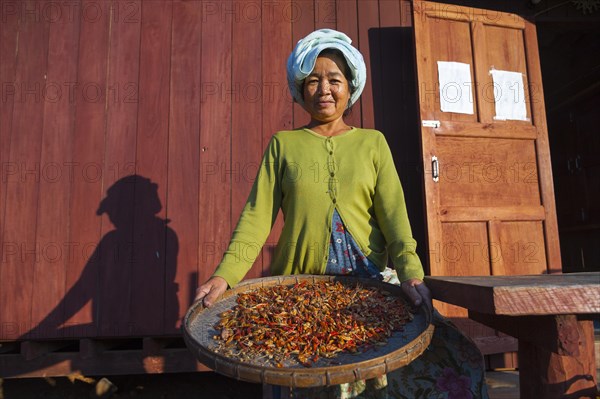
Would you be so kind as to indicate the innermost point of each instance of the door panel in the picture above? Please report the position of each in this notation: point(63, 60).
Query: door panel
point(485, 172)
point(460, 246)
point(506, 51)
point(522, 246)
point(445, 34)
point(490, 211)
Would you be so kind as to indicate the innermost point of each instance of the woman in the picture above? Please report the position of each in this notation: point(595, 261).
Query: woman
point(341, 197)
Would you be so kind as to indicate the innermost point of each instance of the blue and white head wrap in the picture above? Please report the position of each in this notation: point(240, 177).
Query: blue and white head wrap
point(302, 61)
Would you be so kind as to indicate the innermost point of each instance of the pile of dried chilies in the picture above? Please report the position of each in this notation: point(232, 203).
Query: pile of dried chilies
point(308, 321)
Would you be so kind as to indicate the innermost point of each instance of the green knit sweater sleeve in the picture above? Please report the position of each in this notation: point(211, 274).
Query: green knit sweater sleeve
point(257, 219)
point(391, 214)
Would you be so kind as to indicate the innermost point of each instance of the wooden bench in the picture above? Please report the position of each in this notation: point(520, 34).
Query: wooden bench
point(550, 315)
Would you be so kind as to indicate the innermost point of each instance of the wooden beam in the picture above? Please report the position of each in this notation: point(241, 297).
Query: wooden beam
point(484, 214)
point(490, 130)
point(109, 362)
point(554, 375)
point(558, 334)
point(33, 349)
point(496, 344)
point(521, 295)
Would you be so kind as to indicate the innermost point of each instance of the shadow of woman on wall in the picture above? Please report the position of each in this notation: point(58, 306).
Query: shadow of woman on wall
point(129, 280)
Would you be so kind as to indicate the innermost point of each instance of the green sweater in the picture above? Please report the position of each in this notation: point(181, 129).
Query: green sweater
point(307, 175)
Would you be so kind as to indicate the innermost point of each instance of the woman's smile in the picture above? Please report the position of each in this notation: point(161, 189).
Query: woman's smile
point(325, 103)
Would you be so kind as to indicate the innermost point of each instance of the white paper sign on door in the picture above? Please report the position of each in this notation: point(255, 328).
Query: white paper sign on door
point(509, 95)
point(455, 87)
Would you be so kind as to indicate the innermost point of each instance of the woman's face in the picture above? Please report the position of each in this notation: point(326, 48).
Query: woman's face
point(326, 90)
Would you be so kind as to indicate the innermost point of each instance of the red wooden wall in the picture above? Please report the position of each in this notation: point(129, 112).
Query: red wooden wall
point(184, 93)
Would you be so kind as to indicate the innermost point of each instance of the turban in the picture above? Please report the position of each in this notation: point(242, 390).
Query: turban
point(302, 61)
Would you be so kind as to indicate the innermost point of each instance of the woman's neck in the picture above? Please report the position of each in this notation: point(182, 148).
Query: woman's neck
point(328, 129)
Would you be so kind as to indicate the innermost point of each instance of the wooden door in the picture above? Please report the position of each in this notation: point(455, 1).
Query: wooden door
point(489, 195)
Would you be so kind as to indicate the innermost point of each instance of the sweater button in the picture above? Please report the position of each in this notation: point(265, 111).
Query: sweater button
point(334, 201)
point(332, 174)
point(330, 152)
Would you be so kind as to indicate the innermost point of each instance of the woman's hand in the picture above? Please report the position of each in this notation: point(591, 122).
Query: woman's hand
point(417, 292)
point(211, 290)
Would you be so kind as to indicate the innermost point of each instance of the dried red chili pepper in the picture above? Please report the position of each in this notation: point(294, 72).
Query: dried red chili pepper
point(308, 321)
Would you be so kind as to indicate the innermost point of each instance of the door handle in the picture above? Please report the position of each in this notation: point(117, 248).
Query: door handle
point(435, 169)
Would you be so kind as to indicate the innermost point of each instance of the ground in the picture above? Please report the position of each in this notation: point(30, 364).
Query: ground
point(202, 385)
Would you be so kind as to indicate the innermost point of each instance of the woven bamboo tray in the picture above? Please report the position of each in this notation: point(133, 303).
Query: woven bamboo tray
point(402, 347)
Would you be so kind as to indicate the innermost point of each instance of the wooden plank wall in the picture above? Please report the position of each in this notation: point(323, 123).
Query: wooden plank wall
point(186, 94)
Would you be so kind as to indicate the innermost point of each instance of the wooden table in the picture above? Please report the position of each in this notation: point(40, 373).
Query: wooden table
point(550, 315)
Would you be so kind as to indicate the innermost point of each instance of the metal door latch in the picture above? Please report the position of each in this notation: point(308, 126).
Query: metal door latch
point(434, 124)
point(435, 169)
